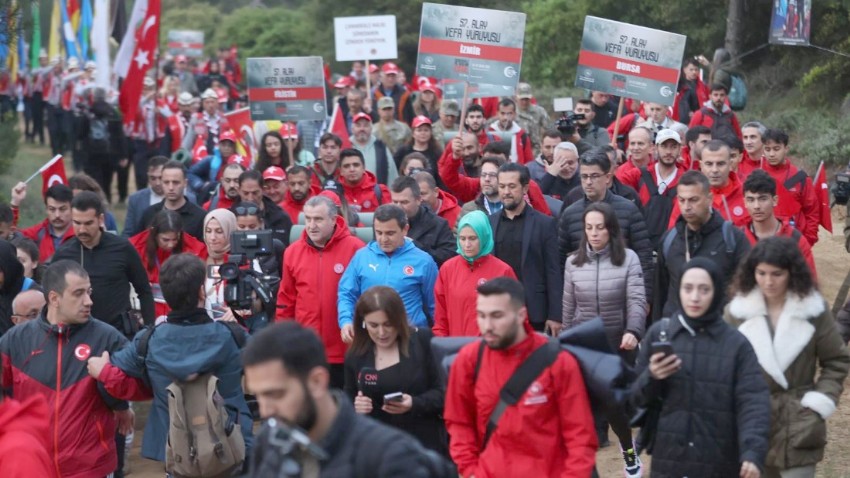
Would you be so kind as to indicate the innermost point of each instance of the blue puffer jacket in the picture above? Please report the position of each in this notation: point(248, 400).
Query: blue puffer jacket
point(409, 270)
point(188, 343)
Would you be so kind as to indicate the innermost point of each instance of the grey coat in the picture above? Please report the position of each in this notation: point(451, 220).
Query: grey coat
point(601, 289)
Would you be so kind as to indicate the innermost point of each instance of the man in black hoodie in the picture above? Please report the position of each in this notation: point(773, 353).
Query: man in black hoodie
point(428, 231)
point(103, 139)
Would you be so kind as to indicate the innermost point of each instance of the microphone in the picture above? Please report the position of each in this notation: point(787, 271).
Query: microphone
point(367, 380)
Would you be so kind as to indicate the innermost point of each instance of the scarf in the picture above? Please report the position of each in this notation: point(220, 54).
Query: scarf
point(227, 220)
point(480, 224)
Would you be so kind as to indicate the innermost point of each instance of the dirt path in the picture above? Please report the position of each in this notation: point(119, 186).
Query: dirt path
point(833, 264)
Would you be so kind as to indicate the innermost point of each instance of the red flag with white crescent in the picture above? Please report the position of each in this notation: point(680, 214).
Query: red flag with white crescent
point(338, 126)
point(144, 58)
point(240, 121)
point(53, 173)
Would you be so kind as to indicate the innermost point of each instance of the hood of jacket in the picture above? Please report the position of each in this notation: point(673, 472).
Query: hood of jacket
point(777, 351)
point(341, 231)
point(366, 183)
point(447, 201)
point(726, 109)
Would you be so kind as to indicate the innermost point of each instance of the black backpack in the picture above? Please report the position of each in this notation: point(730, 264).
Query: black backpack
point(658, 209)
point(99, 137)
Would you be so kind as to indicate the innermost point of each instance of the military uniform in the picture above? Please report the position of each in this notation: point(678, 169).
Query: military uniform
point(535, 121)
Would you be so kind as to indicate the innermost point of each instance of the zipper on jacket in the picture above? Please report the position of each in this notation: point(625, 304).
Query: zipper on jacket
point(61, 331)
point(597, 287)
point(319, 290)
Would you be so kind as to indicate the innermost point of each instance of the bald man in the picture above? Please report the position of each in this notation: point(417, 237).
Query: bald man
point(27, 305)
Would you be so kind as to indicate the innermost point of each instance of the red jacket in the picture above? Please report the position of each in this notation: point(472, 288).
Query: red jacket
point(627, 122)
point(50, 360)
point(520, 142)
point(733, 209)
point(140, 243)
point(40, 233)
point(748, 165)
point(456, 297)
point(785, 230)
point(702, 96)
point(707, 115)
point(293, 207)
point(548, 433)
point(361, 197)
point(466, 189)
point(24, 438)
point(449, 208)
point(798, 201)
point(221, 200)
point(308, 291)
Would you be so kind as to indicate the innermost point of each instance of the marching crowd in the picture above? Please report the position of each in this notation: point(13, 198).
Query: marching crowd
point(686, 232)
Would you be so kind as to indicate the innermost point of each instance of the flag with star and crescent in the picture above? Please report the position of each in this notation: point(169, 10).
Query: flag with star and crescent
point(146, 38)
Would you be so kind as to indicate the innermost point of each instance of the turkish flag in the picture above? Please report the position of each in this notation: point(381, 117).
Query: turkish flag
point(241, 124)
point(53, 173)
point(144, 58)
point(822, 192)
point(338, 126)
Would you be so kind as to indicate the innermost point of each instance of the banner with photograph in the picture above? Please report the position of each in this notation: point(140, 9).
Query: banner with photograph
point(791, 22)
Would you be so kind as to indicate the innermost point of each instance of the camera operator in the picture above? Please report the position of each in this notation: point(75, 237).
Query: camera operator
point(249, 217)
point(218, 224)
point(285, 368)
point(589, 132)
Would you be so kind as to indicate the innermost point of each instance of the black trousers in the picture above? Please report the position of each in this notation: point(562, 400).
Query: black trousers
point(55, 116)
point(38, 103)
point(101, 167)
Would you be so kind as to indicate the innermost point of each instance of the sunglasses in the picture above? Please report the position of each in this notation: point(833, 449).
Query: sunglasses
point(246, 211)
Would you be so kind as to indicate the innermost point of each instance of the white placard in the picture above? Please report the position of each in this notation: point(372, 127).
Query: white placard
point(563, 104)
point(365, 38)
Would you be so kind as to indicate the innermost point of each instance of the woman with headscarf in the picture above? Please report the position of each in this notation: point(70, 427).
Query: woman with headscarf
point(218, 224)
point(779, 310)
point(455, 293)
point(12, 281)
point(703, 378)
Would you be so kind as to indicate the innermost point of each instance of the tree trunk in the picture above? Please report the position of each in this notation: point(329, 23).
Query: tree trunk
point(734, 28)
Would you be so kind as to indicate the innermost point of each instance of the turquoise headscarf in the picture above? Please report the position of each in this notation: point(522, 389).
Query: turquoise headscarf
point(480, 223)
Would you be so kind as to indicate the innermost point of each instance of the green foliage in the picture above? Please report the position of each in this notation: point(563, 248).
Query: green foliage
point(10, 138)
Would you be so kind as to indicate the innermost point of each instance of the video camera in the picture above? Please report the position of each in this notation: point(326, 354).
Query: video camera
point(241, 280)
point(281, 450)
point(841, 188)
point(566, 124)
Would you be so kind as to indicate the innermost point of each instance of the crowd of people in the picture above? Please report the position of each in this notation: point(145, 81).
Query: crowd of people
point(688, 233)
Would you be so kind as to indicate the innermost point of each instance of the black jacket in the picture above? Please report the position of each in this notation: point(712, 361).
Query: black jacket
point(277, 221)
point(632, 225)
point(415, 375)
point(542, 278)
point(432, 234)
point(191, 214)
point(112, 265)
point(116, 147)
point(716, 408)
point(617, 187)
point(13, 281)
point(379, 450)
point(707, 242)
point(558, 187)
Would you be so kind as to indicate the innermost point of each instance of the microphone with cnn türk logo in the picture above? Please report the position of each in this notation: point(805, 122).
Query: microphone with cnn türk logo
point(367, 381)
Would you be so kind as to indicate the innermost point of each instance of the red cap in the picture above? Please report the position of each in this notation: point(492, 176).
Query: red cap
point(373, 68)
point(360, 116)
point(222, 95)
point(274, 173)
point(420, 120)
point(390, 68)
point(344, 82)
point(228, 135)
point(288, 130)
point(332, 196)
point(236, 159)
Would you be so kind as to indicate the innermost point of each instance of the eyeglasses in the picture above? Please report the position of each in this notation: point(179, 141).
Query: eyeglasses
point(489, 175)
point(30, 316)
point(593, 177)
point(246, 211)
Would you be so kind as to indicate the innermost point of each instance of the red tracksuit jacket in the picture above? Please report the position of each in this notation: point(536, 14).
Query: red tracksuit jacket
point(308, 291)
point(455, 294)
point(797, 198)
point(548, 433)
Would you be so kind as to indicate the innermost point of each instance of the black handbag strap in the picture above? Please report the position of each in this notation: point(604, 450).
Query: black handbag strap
point(519, 382)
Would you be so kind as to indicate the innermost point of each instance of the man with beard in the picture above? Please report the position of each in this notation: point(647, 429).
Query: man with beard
point(112, 264)
point(56, 229)
point(325, 170)
point(227, 193)
point(508, 129)
point(285, 367)
point(475, 123)
point(537, 168)
point(297, 192)
point(174, 189)
point(656, 184)
point(187, 344)
point(716, 115)
point(549, 432)
point(527, 241)
point(378, 159)
point(587, 129)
